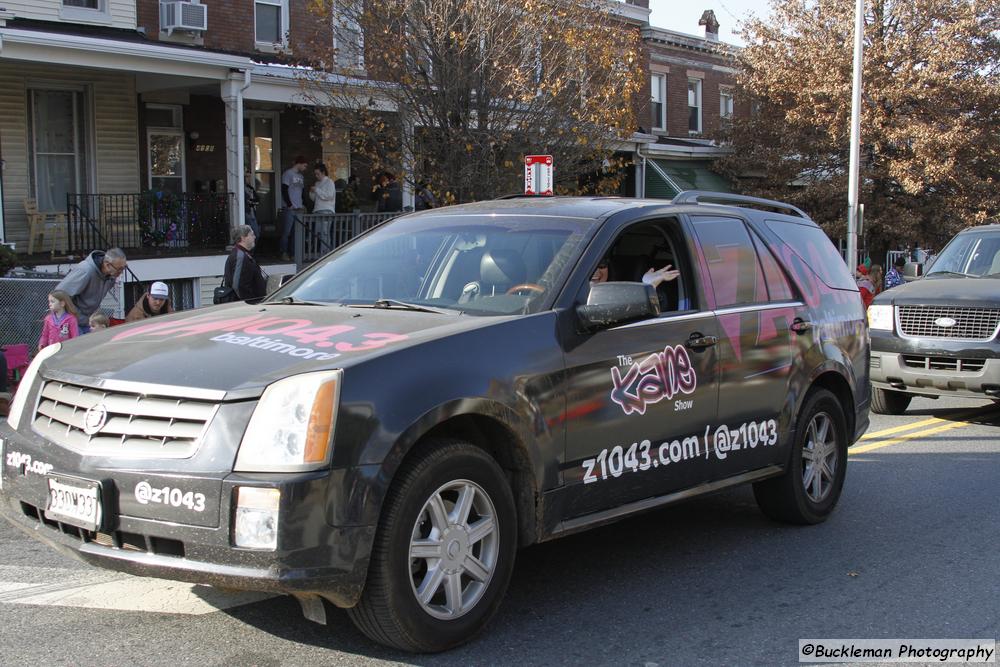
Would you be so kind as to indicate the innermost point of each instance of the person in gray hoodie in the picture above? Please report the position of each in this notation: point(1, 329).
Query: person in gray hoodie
point(90, 280)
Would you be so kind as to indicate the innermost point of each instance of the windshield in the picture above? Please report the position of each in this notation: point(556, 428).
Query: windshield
point(970, 254)
point(477, 264)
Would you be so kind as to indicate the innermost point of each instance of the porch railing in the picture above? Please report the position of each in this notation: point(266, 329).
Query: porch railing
point(318, 233)
point(149, 220)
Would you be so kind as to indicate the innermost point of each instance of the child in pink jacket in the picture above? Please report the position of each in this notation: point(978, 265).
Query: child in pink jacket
point(60, 323)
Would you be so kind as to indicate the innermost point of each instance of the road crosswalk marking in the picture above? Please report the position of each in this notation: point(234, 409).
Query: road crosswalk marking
point(100, 589)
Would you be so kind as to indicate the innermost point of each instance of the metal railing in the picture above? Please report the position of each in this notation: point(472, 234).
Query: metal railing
point(160, 220)
point(318, 233)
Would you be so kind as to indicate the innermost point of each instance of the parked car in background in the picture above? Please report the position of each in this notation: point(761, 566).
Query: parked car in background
point(938, 336)
point(386, 430)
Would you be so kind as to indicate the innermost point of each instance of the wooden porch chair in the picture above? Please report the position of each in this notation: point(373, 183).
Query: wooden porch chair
point(42, 225)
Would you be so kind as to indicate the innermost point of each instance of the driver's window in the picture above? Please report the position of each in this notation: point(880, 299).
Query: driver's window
point(649, 252)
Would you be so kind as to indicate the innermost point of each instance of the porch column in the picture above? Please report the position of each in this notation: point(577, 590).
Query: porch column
point(232, 96)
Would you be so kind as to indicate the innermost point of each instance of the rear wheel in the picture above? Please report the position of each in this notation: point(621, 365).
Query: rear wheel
point(811, 486)
point(443, 554)
point(888, 402)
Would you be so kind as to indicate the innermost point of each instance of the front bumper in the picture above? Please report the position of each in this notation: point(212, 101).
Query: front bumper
point(312, 556)
point(953, 368)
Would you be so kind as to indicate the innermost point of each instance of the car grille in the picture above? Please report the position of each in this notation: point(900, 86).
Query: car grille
point(136, 426)
point(970, 323)
point(944, 364)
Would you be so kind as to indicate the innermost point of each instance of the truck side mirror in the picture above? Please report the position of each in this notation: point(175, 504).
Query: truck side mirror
point(610, 304)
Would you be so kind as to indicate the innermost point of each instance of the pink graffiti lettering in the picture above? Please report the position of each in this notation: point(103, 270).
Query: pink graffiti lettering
point(658, 377)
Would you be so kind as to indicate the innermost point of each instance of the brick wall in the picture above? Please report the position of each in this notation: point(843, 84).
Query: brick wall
point(701, 66)
point(231, 25)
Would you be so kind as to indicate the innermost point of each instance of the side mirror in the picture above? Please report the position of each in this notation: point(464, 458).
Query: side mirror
point(913, 270)
point(610, 304)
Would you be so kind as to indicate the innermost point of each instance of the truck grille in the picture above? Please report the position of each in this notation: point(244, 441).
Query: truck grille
point(944, 364)
point(134, 426)
point(970, 323)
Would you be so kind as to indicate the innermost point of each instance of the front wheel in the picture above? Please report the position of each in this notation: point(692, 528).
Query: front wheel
point(888, 402)
point(443, 554)
point(811, 486)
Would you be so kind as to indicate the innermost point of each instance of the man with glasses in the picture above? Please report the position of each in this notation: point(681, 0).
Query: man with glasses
point(90, 280)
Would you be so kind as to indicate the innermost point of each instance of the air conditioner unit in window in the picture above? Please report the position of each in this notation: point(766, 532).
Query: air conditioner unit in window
point(191, 16)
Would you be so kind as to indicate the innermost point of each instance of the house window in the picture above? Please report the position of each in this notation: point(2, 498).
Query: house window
point(57, 146)
point(658, 97)
point(85, 11)
point(270, 22)
point(694, 106)
point(726, 103)
point(348, 39)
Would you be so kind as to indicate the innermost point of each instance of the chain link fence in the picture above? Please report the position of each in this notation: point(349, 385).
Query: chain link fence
point(24, 303)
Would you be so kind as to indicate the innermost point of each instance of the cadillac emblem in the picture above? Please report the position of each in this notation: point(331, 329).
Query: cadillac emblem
point(945, 322)
point(95, 419)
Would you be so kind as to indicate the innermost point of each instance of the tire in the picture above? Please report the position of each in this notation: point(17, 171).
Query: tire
point(452, 564)
point(888, 402)
point(807, 492)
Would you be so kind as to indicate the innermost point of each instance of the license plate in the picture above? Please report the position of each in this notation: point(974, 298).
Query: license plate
point(76, 502)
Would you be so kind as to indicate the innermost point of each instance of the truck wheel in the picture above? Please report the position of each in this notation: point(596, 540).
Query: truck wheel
point(888, 402)
point(810, 487)
point(443, 552)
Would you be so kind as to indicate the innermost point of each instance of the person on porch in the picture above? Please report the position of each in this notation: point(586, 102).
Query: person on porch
point(292, 184)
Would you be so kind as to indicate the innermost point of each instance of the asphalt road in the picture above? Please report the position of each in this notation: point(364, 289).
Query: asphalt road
point(911, 552)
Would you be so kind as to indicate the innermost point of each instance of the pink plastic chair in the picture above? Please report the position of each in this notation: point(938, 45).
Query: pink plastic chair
point(17, 361)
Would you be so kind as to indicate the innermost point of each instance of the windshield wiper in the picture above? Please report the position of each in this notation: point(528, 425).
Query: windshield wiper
point(292, 301)
point(402, 305)
point(952, 273)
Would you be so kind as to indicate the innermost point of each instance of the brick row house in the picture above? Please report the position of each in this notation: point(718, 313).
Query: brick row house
point(106, 103)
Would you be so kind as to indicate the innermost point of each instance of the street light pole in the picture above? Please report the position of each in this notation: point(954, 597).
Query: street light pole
point(852, 187)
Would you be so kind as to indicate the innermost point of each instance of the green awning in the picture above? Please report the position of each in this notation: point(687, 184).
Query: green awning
point(665, 179)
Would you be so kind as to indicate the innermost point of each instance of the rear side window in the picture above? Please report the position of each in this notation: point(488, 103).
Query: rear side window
point(736, 274)
point(777, 283)
point(816, 251)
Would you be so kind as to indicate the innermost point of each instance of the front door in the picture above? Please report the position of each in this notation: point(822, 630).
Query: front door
point(640, 396)
point(166, 160)
point(260, 130)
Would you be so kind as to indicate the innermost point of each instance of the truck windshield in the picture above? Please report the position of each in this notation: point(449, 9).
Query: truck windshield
point(481, 265)
point(970, 254)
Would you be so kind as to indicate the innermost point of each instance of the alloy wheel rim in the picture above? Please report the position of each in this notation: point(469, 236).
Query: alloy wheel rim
point(819, 458)
point(454, 548)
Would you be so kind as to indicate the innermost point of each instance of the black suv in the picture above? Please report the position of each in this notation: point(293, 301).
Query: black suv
point(388, 428)
point(940, 335)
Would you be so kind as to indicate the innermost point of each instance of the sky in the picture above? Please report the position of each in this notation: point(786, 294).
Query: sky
point(683, 15)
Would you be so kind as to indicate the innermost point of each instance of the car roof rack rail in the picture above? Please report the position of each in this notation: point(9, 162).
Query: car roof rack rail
point(696, 197)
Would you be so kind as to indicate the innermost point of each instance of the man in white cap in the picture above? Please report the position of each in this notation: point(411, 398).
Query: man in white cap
point(154, 302)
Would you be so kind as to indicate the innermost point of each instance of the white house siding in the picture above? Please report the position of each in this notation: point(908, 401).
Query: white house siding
point(114, 115)
point(121, 13)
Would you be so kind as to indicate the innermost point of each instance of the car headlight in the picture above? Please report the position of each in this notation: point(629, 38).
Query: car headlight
point(291, 428)
point(24, 388)
point(880, 317)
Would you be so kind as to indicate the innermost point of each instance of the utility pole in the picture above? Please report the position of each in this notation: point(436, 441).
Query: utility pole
point(852, 187)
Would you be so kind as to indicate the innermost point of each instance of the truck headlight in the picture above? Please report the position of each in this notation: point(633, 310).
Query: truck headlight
point(880, 317)
point(24, 389)
point(256, 522)
point(292, 426)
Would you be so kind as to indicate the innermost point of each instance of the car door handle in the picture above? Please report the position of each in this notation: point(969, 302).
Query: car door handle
point(699, 342)
point(800, 326)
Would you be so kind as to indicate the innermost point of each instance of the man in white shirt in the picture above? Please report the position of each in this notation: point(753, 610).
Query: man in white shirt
point(324, 193)
point(292, 185)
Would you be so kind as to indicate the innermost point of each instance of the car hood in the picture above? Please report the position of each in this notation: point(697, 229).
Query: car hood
point(950, 290)
point(238, 349)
